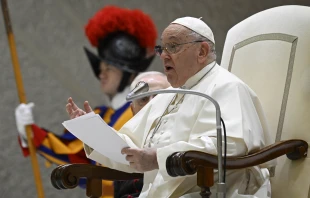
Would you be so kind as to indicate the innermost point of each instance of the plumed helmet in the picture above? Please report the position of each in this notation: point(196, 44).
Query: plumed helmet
point(124, 38)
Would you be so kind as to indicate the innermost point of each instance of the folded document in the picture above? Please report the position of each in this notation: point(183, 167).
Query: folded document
point(97, 134)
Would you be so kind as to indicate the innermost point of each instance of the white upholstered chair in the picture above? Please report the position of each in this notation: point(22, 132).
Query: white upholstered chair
point(270, 51)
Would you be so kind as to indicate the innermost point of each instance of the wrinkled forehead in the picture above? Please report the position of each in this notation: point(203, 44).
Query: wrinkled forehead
point(175, 32)
point(156, 82)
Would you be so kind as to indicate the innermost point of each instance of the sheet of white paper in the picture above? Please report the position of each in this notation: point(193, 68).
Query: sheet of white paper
point(94, 132)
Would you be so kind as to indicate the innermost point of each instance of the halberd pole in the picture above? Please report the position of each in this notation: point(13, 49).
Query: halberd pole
point(22, 96)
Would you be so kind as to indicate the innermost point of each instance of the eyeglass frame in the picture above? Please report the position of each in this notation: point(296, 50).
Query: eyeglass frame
point(159, 48)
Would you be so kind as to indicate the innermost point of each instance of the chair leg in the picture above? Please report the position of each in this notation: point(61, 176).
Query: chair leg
point(205, 192)
point(94, 188)
point(205, 180)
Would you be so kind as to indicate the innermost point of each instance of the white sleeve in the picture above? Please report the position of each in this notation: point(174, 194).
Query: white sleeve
point(234, 101)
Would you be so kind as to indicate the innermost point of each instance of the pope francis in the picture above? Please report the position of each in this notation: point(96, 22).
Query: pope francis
point(176, 122)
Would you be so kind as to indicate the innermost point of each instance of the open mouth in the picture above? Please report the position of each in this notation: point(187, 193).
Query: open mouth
point(168, 68)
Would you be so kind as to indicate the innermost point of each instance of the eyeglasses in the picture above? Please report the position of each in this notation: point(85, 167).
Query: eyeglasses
point(171, 48)
point(143, 101)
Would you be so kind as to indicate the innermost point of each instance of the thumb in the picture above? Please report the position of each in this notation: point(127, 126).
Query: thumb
point(19, 107)
point(30, 105)
point(87, 107)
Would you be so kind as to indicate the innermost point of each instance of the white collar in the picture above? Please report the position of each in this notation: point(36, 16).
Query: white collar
point(120, 98)
point(192, 81)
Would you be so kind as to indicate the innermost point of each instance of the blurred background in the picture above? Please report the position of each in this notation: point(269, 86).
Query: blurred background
point(49, 35)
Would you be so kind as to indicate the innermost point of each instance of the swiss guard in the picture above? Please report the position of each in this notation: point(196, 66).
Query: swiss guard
point(124, 40)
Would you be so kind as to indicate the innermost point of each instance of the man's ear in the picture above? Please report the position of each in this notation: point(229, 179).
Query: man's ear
point(131, 107)
point(203, 52)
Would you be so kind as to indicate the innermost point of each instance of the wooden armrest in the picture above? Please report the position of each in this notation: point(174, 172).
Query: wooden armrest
point(67, 177)
point(187, 163)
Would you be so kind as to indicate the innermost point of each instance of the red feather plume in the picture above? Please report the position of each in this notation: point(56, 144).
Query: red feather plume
point(112, 19)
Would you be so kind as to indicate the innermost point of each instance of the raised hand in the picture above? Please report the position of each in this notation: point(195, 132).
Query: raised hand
point(74, 111)
point(141, 159)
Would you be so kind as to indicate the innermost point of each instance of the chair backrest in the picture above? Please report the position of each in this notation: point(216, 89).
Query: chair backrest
point(270, 51)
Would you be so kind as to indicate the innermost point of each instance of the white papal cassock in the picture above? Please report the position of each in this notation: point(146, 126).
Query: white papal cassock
point(188, 123)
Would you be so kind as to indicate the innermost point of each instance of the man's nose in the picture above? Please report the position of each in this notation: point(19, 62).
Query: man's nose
point(102, 74)
point(164, 55)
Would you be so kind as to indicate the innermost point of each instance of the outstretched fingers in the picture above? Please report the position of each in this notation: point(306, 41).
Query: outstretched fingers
point(69, 109)
point(74, 111)
point(74, 106)
point(87, 107)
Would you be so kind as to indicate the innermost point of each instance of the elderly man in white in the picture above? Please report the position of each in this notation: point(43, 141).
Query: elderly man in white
point(176, 122)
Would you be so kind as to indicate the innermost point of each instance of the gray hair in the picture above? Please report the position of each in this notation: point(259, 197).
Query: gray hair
point(198, 37)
